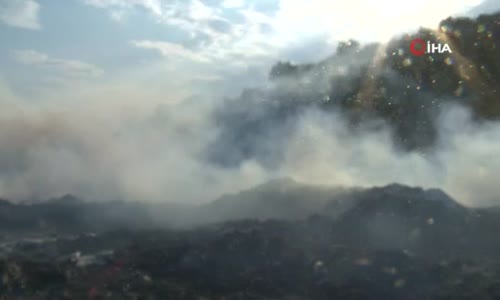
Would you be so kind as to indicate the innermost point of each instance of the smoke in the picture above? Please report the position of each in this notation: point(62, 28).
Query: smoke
point(324, 150)
point(197, 150)
point(103, 155)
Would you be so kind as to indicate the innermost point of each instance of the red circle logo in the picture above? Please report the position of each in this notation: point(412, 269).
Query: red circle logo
point(414, 50)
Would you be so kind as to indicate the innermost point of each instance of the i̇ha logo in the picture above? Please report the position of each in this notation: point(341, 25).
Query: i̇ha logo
point(419, 47)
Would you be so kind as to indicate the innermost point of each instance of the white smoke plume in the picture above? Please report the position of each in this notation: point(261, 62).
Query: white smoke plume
point(161, 154)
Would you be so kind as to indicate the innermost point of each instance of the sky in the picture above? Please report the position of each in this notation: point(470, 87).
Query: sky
point(69, 51)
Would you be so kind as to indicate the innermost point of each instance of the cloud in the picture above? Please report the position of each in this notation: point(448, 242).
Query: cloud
point(154, 6)
point(239, 34)
point(20, 13)
point(294, 19)
point(209, 30)
point(233, 3)
point(171, 50)
point(363, 19)
point(65, 67)
point(252, 28)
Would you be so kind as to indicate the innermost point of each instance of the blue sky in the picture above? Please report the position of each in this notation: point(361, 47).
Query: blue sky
point(171, 49)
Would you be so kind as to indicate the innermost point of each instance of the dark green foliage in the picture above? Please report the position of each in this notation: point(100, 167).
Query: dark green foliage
point(387, 81)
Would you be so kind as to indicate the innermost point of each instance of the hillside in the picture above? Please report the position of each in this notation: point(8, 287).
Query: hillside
point(395, 242)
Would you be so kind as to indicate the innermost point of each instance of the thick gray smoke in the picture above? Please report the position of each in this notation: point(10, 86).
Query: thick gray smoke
point(182, 152)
